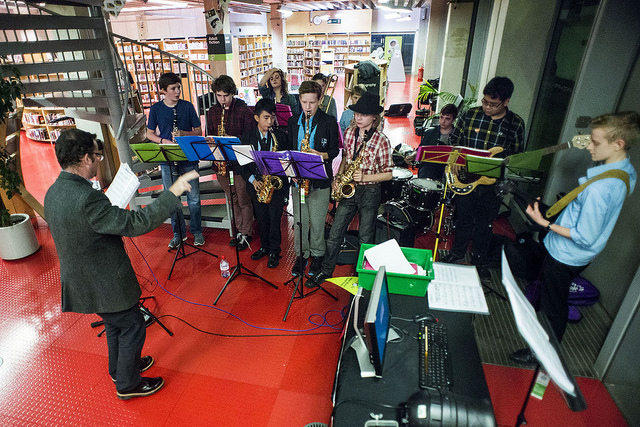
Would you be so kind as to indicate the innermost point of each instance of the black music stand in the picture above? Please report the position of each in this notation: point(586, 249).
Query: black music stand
point(537, 331)
point(149, 152)
point(223, 151)
point(300, 166)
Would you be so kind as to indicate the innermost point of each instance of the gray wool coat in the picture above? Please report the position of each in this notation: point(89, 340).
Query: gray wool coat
point(95, 271)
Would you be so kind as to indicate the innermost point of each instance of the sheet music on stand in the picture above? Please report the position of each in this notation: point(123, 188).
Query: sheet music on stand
point(123, 187)
point(200, 148)
point(534, 334)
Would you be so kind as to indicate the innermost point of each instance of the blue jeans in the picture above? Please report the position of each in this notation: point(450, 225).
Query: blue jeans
point(365, 203)
point(193, 197)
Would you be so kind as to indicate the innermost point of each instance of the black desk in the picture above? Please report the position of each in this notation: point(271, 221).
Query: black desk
point(356, 397)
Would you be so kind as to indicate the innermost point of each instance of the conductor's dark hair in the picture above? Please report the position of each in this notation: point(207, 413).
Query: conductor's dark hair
point(265, 104)
point(224, 84)
point(73, 144)
point(449, 110)
point(167, 79)
point(499, 87)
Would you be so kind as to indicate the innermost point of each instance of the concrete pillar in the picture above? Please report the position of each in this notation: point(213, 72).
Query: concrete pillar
point(220, 58)
point(278, 38)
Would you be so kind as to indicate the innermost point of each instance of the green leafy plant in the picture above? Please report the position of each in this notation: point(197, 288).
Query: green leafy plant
point(10, 182)
point(10, 87)
point(10, 90)
point(427, 89)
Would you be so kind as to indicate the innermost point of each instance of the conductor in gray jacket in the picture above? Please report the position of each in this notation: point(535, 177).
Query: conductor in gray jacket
point(95, 271)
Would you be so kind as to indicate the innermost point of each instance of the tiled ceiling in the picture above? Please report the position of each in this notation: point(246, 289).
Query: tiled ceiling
point(264, 6)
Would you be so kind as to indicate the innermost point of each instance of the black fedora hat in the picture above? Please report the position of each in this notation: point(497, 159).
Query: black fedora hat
point(368, 103)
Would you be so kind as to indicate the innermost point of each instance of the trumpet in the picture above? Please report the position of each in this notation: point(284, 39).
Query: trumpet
point(331, 85)
point(270, 183)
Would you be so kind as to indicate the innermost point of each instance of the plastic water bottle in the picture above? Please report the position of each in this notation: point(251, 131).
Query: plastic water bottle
point(224, 267)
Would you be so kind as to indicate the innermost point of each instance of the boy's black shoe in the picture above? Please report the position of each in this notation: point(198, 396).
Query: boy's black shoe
point(259, 254)
point(523, 356)
point(243, 242)
point(274, 260)
point(316, 265)
point(299, 266)
point(317, 280)
point(452, 258)
point(147, 387)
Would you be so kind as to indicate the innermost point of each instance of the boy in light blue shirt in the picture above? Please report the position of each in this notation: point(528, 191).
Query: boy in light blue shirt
point(584, 226)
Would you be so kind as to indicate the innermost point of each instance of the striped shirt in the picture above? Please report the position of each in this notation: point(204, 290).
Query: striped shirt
point(477, 130)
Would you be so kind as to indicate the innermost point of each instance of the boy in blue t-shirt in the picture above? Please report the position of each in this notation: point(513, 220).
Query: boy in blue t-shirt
point(167, 119)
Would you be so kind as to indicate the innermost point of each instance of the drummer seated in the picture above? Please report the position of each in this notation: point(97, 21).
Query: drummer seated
point(438, 135)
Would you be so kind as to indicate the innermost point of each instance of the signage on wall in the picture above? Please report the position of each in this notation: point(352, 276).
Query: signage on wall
point(334, 21)
point(219, 47)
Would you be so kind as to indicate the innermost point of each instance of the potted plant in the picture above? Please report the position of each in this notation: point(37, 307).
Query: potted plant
point(16, 231)
point(429, 95)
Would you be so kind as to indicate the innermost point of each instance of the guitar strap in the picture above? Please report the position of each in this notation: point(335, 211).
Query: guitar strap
point(563, 202)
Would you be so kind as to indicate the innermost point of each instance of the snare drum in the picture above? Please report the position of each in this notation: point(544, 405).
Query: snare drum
point(423, 194)
point(392, 190)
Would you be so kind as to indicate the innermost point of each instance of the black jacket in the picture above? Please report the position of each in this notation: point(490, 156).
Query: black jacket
point(325, 141)
point(252, 137)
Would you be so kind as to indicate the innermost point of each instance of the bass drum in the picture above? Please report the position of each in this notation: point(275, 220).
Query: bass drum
point(392, 190)
point(404, 215)
point(424, 194)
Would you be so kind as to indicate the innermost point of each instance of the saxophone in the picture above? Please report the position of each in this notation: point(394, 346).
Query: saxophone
point(304, 147)
point(222, 165)
point(270, 183)
point(346, 188)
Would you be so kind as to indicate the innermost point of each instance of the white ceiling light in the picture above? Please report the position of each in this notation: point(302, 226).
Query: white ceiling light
point(406, 18)
point(392, 15)
point(324, 17)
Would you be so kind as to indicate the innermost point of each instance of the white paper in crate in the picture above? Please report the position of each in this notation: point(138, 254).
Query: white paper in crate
point(390, 255)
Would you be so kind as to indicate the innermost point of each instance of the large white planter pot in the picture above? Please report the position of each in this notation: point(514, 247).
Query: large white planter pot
point(18, 240)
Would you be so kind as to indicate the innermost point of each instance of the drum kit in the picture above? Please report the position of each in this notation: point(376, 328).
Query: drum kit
point(408, 201)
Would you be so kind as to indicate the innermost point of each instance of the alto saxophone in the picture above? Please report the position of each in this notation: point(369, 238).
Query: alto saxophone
point(270, 183)
point(346, 188)
point(304, 147)
point(222, 165)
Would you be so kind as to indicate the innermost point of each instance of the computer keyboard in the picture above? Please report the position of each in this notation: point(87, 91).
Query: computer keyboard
point(434, 366)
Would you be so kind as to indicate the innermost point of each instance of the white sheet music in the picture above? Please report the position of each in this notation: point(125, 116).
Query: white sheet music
point(390, 255)
point(123, 187)
point(533, 332)
point(456, 288)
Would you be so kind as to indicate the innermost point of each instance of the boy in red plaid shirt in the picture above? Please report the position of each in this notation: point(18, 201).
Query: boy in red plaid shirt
point(367, 141)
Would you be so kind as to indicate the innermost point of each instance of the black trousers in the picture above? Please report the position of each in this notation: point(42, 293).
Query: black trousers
point(126, 333)
point(268, 216)
point(475, 214)
point(556, 282)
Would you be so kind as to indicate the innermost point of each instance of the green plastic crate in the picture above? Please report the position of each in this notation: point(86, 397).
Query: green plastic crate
point(405, 284)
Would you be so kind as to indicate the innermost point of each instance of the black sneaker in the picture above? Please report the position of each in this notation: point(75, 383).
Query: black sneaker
point(317, 280)
point(297, 269)
point(316, 265)
point(147, 387)
point(523, 356)
point(243, 242)
point(234, 240)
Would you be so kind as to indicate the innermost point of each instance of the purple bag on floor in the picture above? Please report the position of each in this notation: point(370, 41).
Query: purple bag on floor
point(582, 292)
